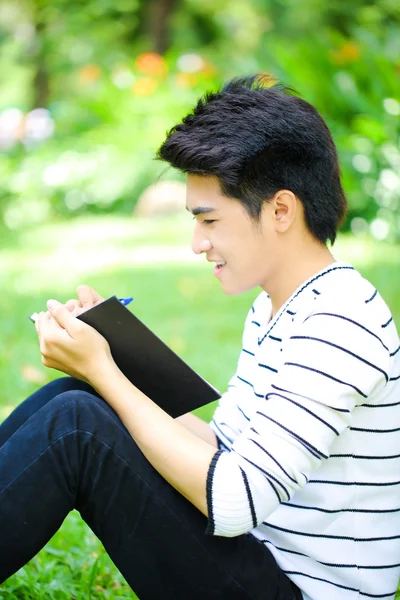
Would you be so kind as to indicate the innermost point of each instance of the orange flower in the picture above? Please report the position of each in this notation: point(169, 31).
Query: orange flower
point(89, 74)
point(208, 69)
point(348, 53)
point(151, 63)
point(144, 86)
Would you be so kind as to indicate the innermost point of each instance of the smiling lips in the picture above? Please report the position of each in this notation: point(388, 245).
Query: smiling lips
point(219, 266)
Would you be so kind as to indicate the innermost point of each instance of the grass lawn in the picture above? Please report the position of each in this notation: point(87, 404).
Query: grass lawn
point(175, 294)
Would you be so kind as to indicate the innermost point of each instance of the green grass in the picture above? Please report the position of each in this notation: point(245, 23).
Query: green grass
point(175, 294)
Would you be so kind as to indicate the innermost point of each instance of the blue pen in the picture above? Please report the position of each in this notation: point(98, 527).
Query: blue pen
point(125, 301)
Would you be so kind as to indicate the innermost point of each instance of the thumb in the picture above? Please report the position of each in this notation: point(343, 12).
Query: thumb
point(62, 315)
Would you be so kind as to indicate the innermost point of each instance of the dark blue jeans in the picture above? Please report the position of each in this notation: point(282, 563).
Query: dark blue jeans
point(65, 448)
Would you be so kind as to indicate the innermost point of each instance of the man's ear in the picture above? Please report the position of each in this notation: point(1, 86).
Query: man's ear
point(284, 207)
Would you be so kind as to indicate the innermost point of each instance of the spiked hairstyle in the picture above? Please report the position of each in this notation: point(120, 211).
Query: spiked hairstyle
point(257, 138)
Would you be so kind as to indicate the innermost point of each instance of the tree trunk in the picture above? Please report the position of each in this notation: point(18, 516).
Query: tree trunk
point(41, 80)
point(160, 13)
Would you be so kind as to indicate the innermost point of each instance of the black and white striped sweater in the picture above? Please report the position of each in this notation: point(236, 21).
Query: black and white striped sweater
point(310, 438)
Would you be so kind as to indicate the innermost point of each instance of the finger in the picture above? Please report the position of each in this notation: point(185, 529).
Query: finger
point(42, 324)
point(63, 317)
point(88, 294)
point(43, 319)
point(85, 295)
point(96, 297)
point(73, 305)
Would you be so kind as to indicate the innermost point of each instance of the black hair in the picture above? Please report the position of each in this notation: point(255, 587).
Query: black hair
point(257, 137)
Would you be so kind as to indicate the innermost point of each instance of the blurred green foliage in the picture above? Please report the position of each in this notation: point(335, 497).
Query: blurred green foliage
point(89, 90)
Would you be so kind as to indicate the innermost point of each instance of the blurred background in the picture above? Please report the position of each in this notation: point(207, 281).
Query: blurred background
point(88, 90)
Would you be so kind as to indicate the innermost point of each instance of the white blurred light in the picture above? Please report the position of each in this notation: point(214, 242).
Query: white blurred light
point(80, 52)
point(358, 225)
point(11, 127)
point(383, 197)
point(123, 78)
point(362, 163)
point(34, 127)
point(345, 81)
point(390, 180)
point(379, 229)
point(190, 63)
point(24, 32)
point(9, 13)
point(39, 125)
point(391, 106)
point(362, 144)
point(21, 213)
point(385, 214)
point(392, 154)
point(56, 174)
point(12, 217)
point(75, 199)
point(368, 185)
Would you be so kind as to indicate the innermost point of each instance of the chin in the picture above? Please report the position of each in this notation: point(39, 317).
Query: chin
point(235, 290)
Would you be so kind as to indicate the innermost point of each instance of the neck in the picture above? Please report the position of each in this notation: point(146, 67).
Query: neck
point(295, 270)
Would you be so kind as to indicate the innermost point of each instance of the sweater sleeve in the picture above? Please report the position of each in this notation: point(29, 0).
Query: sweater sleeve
point(331, 363)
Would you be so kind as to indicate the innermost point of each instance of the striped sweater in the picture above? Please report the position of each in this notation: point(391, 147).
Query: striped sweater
point(309, 433)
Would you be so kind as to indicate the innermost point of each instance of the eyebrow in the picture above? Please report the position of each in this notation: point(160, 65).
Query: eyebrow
point(200, 210)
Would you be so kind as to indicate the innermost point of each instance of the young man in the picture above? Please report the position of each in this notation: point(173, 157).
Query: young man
point(292, 491)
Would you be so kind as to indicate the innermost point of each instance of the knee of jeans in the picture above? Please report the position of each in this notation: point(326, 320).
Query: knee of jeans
point(65, 384)
point(74, 408)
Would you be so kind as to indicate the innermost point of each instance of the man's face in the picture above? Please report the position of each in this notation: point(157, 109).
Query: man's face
point(240, 248)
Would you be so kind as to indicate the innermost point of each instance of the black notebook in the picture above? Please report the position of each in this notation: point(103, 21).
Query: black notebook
point(147, 362)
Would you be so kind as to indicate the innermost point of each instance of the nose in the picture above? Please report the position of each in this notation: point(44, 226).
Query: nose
point(200, 243)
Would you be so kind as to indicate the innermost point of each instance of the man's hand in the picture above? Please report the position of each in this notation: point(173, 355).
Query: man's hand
point(87, 298)
point(69, 345)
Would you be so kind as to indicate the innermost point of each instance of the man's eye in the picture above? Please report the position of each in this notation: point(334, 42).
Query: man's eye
point(206, 221)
